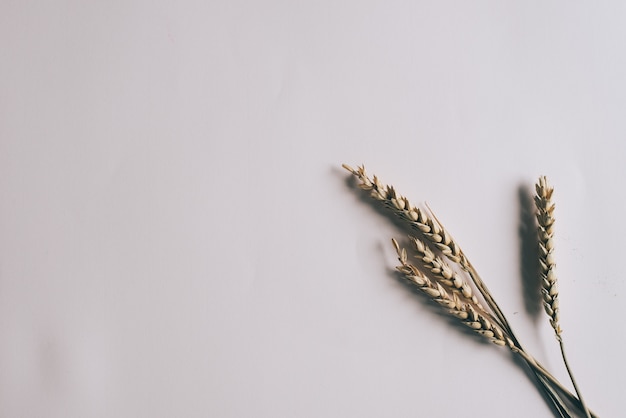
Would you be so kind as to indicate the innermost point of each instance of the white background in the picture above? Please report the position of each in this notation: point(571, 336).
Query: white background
point(177, 237)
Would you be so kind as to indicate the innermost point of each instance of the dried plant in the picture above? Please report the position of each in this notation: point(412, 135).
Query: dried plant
point(550, 291)
point(450, 288)
point(458, 305)
point(545, 219)
point(430, 228)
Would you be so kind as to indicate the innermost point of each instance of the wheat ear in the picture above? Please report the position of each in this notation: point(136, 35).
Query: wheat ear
point(400, 205)
point(443, 271)
point(545, 220)
point(468, 314)
point(430, 228)
point(479, 321)
point(413, 215)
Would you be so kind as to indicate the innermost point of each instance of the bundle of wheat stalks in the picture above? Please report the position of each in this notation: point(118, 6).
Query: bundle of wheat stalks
point(445, 275)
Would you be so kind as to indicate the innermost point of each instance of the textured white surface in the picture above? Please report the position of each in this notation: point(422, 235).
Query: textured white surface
point(177, 237)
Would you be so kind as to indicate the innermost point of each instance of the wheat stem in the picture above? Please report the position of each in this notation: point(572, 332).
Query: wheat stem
point(545, 229)
point(535, 365)
point(571, 375)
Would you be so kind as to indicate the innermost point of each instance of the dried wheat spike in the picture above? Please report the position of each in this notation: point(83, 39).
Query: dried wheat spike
point(415, 217)
point(443, 272)
point(545, 220)
point(431, 229)
point(468, 314)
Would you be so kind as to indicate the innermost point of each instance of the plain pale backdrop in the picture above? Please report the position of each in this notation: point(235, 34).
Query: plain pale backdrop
point(178, 239)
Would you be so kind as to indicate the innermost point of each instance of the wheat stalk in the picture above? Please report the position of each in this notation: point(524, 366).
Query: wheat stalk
point(433, 231)
point(545, 220)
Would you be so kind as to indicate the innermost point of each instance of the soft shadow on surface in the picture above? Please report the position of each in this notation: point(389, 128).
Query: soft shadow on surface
point(529, 253)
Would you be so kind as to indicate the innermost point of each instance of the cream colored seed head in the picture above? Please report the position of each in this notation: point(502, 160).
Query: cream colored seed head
point(545, 232)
